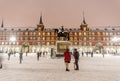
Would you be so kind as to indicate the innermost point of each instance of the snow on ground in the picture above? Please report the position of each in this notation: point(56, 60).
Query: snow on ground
point(47, 69)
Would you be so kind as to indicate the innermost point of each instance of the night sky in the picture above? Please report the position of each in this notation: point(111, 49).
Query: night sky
point(69, 13)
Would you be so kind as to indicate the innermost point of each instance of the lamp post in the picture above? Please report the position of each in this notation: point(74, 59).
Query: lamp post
point(116, 39)
point(12, 39)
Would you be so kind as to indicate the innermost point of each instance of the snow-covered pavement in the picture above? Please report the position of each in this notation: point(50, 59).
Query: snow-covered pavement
point(47, 69)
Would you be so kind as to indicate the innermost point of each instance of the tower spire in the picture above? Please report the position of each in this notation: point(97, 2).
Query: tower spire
point(41, 19)
point(2, 25)
point(40, 26)
point(84, 22)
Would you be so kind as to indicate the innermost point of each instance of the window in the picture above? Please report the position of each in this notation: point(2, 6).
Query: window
point(26, 33)
point(93, 33)
point(48, 33)
point(43, 33)
point(75, 38)
point(43, 38)
point(48, 38)
point(79, 33)
point(2, 43)
point(26, 38)
point(84, 43)
point(30, 38)
point(84, 38)
point(75, 33)
point(106, 33)
point(84, 33)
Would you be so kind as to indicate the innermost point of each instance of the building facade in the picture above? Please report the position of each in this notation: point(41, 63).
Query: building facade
point(40, 38)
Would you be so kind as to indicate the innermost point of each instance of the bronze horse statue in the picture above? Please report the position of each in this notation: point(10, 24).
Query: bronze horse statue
point(62, 34)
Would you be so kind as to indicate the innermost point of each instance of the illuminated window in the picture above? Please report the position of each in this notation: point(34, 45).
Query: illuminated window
point(84, 33)
point(84, 38)
point(89, 38)
point(43, 33)
point(75, 33)
point(84, 43)
point(2, 43)
point(34, 33)
point(52, 38)
point(48, 38)
point(52, 33)
point(98, 33)
point(103, 38)
point(48, 33)
point(39, 33)
point(79, 33)
point(90, 44)
point(17, 43)
point(93, 33)
point(75, 43)
point(107, 44)
point(71, 38)
point(43, 38)
point(48, 43)
point(38, 38)
point(106, 33)
point(75, 38)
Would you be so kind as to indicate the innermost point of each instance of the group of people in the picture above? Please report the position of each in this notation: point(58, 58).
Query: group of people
point(67, 59)
point(87, 53)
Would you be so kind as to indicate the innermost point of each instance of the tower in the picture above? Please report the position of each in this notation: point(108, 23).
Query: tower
point(84, 25)
point(40, 26)
point(2, 25)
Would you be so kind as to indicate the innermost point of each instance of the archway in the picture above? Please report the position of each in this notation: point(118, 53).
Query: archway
point(99, 48)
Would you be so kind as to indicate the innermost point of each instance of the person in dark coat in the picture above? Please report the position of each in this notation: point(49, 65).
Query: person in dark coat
point(38, 55)
point(67, 58)
point(21, 57)
point(9, 54)
point(91, 54)
point(1, 62)
point(76, 57)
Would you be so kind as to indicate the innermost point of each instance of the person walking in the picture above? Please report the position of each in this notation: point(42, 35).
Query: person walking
point(82, 54)
point(67, 58)
point(76, 57)
point(21, 57)
point(91, 54)
point(9, 54)
point(1, 61)
point(38, 55)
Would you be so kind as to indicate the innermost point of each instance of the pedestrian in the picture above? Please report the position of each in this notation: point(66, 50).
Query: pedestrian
point(87, 54)
point(9, 54)
point(76, 57)
point(91, 54)
point(82, 54)
point(67, 58)
point(21, 57)
point(43, 53)
point(1, 62)
point(26, 53)
point(38, 55)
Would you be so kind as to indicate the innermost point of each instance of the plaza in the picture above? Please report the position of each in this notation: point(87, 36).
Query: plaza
point(53, 69)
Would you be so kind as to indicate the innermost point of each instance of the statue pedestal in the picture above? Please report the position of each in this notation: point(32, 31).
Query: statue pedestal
point(61, 47)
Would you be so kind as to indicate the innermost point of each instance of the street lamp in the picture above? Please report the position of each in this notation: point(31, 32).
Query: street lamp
point(116, 39)
point(12, 39)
